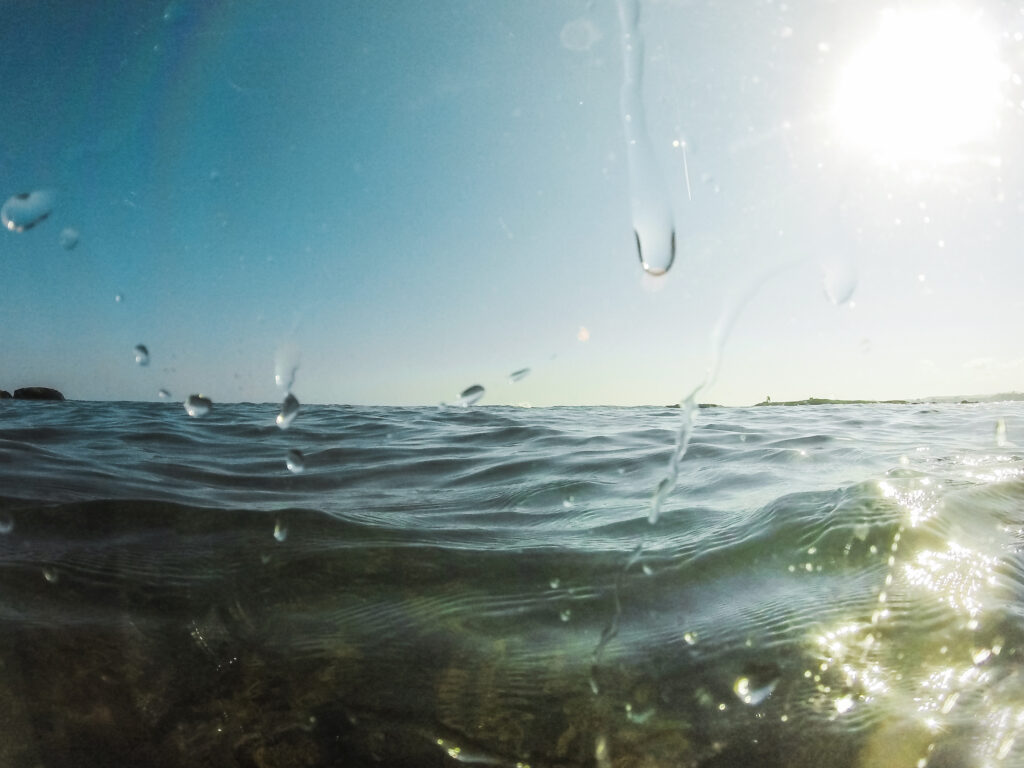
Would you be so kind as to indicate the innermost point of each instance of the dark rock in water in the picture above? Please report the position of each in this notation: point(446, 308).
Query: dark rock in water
point(37, 393)
point(4, 394)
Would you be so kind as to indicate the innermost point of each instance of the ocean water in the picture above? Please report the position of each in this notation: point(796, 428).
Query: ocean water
point(831, 585)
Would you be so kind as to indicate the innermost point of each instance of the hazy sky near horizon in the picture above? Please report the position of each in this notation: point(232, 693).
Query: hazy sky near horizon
point(409, 198)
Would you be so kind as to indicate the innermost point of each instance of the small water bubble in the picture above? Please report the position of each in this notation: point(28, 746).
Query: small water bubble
point(555, 583)
point(566, 614)
point(289, 410)
point(280, 531)
point(690, 638)
point(118, 298)
point(198, 405)
point(470, 395)
point(68, 238)
point(295, 461)
point(50, 575)
point(163, 394)
point(141, 354)
point(23, 211)
point(519, 375)
point(6, 523)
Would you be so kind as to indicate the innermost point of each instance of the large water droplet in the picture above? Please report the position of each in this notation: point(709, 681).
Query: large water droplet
point(289, 410)
point(141, 354)
point(295, 461)
point(650, 204)
point(519, 375)
point(68, 239)
point(26, 209)
point(280, 531)
point(197, 405)
point(840, 281)
point(470, 395)
point(51, 575)
point(163, 394)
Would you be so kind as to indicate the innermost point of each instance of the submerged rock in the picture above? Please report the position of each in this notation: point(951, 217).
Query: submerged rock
point(37, 393)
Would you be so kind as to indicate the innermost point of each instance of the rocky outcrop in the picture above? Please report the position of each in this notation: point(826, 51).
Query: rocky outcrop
point(37, 393)
point(4, 394)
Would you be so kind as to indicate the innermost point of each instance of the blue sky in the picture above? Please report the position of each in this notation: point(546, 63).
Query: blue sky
point(411, 198)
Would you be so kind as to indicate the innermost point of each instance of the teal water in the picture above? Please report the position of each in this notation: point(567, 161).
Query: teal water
point(831, 585)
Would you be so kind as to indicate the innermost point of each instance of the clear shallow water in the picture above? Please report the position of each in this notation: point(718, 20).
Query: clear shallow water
point(833, 585)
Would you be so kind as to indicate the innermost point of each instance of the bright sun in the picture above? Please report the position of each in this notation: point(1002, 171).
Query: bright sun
point(927, 84)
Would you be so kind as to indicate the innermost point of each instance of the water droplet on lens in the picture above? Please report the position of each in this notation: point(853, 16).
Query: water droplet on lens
point(555, 583)
point(163, 394)
point(26, 209)
point(295, 461)
point(579, 35)
point(650, 204)
point(656, 257)
point(286, 364)
point(68, 239)
point(470, 395)
point(566, 614)
point(840, 281)
point(690, 638)
point(6, 524)
point(289, 410)
point(519, 375)
point(280, 531)
point(757, 684)
point(141, 354)
point(1001, 433)
point(118, 298)
point(50, 575)
point(197, 405)
point(750, 695)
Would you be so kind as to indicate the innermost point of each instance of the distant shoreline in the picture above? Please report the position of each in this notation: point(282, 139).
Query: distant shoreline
point(1002, 397)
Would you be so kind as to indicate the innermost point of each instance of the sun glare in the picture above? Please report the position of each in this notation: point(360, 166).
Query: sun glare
point(922, 89)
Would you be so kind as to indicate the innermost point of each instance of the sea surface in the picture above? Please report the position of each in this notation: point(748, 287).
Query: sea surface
point(825, 586)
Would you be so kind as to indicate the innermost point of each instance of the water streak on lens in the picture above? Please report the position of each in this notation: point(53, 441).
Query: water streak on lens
point(519, 375)
point(23, 211)
point(650, 204)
